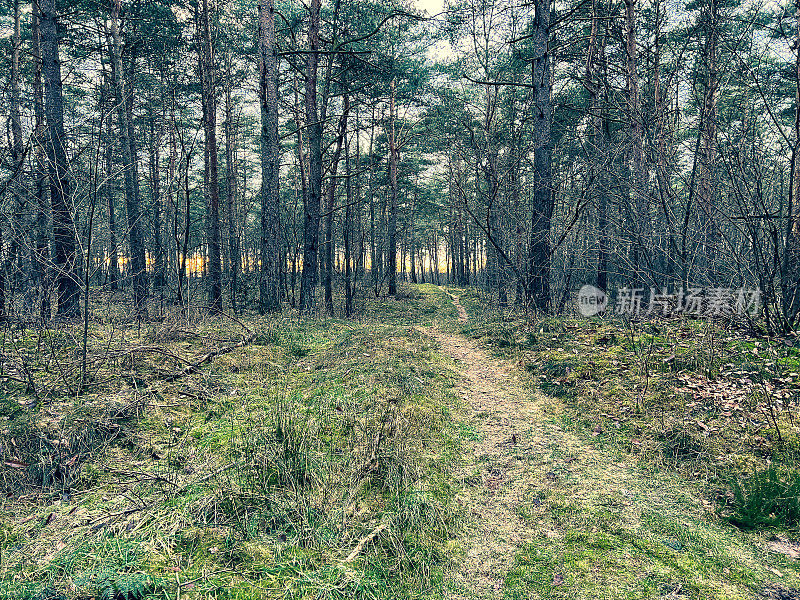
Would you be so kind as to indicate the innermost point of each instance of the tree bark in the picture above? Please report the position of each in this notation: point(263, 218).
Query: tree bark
point(330, 204)
point(391, 263)
point(269, 289)
point(42, 256)
point(113, 247)
point(374, 264)
point(639, 223)
point(135, 225)
point(791, 258)
point(348, 230)
point(155, 200)
point(233, 256)
point(538, 288)
point(308, 281)
point(19, 238)
point(598, 146)
point(208, 81)
point(706, 192)
point(64, 236)
point(107, 188)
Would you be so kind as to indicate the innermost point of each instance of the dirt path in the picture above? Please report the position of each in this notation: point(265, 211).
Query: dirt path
point(493, 477)
point(462, 313)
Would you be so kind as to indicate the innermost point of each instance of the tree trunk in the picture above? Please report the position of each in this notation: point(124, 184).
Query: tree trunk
point(3, 271)
point(269, 289)
point(348, 230)
point(451, 225)
point(330, 204)
point(791, 259)
point(208, 81)
point(155, 199)
point(516, 208)
point(42, 257)
point(359, 226)
point(374, 258)
point(303, 167)
point(391, 263)
point(412, 240)
point(706, 191)
point(233, 256)
point(104, 165)
point(19, 238)
point(542, 209)
point(129, 75)
point(64, 237)
point(308, 281)
point(135, 226)
point(639, 223)
point(108, 187)
point(173, 188)
point(598, 145)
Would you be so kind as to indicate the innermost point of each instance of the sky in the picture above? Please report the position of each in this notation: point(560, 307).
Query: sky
point(432, 6)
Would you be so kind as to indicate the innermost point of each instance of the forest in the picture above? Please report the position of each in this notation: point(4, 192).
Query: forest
point(241, 157)
point(399, 299)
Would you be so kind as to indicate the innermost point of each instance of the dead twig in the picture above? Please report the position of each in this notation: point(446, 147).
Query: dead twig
point(364, 541)
point(142, 476)
point(208, 357)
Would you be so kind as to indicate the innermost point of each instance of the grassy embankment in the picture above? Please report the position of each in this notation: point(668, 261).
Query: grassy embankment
point(258, 474)
point(255, 475)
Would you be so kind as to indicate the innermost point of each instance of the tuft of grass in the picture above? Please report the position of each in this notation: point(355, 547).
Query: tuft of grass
point(770, 497)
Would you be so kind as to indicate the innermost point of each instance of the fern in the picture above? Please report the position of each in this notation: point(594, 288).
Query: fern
point(110, 585)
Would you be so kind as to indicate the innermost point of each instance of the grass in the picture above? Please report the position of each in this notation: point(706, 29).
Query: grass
point(689, 395)
point(634, 498)
point(631, 537)
point(254, 477)
point(257, 475)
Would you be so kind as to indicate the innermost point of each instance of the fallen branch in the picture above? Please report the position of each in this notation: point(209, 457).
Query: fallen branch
point(151, 350)
point(208, 357)
point(123, 513)
point(141, 476)
point(364, 541)
point(206, 477)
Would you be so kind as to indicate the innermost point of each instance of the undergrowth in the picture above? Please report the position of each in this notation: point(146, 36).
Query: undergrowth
point(312, 459)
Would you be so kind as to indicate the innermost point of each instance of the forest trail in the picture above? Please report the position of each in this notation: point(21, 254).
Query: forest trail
point(462, 312)
point(520, 463)
point(491, 474)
